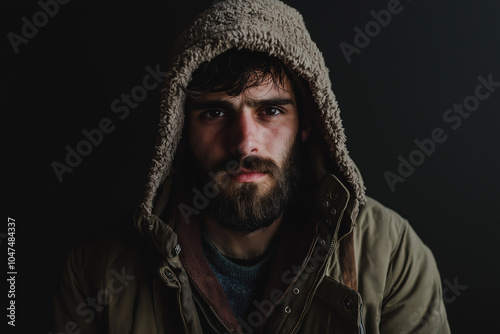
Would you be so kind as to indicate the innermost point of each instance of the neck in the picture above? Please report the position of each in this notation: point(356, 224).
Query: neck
point(238, 245)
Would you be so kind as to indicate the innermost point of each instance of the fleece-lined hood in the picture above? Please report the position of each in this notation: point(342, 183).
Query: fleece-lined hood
point(257, 25)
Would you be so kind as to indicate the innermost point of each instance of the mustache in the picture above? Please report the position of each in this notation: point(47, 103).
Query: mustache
point(249, 163)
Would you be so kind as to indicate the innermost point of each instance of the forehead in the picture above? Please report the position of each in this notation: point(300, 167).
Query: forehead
point(262, 88)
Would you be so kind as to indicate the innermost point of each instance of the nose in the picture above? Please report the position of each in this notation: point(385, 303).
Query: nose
point(244, 135)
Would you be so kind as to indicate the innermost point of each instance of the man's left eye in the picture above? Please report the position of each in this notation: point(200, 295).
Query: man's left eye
point(272, 111)
point(213, 114)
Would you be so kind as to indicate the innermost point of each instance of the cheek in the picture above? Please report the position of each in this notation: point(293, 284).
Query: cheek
point(283, 137)
point(205, 146)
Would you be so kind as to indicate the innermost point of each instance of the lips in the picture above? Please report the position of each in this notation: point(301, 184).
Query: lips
point(244, 175)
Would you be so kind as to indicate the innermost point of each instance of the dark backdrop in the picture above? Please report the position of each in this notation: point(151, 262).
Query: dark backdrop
point(395, 90)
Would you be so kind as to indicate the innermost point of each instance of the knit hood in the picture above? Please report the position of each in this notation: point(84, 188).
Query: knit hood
point(257, 25)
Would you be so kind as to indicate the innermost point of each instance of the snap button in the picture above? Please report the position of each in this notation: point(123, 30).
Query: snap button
point(296, 291)
point(348, 303)
point(288, 309)
point(177, 250)
point(151, 226)
point(334, 195)
point(326, 204)
point(333, 211)
point(328, 221)
point(322, 242)
point(169, 274)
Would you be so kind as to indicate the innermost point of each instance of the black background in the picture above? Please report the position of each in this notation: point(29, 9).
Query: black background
point(393, 92)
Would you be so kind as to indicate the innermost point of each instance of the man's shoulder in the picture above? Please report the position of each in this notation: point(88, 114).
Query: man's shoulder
point(383, 237)
point(397, 273)
point(381, 234)
point(377, 221)
point(118, 244)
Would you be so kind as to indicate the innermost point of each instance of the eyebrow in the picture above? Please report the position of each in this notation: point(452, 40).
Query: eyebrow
point(225, 104)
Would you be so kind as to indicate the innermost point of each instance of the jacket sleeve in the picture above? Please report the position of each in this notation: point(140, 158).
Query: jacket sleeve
point(412, 301)
point(74, 307)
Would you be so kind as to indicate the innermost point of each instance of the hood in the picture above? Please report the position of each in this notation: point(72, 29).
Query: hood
point(257, 25)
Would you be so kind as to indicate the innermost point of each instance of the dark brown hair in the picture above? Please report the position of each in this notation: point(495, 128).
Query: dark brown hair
point(235, 70)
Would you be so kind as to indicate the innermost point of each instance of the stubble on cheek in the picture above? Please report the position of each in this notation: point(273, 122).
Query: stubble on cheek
point(204, 155)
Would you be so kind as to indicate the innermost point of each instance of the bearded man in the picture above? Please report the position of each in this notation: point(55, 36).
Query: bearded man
point(254, 218)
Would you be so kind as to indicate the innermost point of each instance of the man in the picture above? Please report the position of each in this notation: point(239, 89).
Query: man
point(254, 218)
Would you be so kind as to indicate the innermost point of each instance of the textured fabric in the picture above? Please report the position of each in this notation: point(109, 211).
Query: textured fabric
point(238, 281)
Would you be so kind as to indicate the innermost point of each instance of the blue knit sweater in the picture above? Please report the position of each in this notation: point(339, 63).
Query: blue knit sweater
point(239, 281)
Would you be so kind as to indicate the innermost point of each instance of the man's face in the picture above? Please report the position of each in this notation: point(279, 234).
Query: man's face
point(247, 145)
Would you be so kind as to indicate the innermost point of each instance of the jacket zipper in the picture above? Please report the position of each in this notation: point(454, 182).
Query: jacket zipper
point(220, 320)
point(213, 312)
point(295, 328)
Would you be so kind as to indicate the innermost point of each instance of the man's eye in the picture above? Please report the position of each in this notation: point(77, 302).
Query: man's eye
point(272, 112)
point(213, 114)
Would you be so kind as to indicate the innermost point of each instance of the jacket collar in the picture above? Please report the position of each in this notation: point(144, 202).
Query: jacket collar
point(333, 202)
point(331, 221)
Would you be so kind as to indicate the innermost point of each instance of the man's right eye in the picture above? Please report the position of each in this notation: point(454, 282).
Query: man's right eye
point(212, 114)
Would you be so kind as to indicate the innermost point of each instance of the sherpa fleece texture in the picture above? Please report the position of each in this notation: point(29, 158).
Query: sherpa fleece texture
point(259, 25)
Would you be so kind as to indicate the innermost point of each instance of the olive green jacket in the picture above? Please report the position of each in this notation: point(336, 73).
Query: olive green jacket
point(161, 283)
point(343, 262)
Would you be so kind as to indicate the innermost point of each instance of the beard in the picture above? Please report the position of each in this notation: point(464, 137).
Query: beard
point(249, 207)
